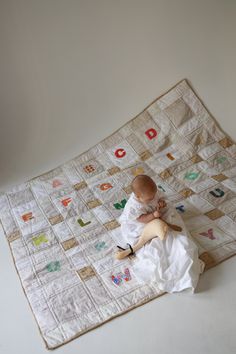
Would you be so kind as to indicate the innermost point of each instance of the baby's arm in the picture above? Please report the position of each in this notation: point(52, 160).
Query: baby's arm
point(145, 218)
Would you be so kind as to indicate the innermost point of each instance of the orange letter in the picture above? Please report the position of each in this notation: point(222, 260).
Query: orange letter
point(170, 156)
point(66, 201)
point(105, 186)
point(27, 216)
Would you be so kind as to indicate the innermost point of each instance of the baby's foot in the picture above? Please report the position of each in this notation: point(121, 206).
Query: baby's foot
point(124, 252)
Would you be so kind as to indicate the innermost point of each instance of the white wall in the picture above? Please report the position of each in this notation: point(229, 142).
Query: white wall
point(71, 72)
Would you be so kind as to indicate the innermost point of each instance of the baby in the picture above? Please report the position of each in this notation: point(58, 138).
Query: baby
point(173, 262)
point(144, 205)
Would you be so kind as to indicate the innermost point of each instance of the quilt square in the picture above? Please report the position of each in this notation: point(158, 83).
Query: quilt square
point(70, 205)
point(66, 280)
point(200, 138)
point(21, 197)
point(82, 223)
point(89, 168)
point(120, 280)
point(100, 247)
point(194, 178)
point(138, 168)
point(186, 209)
point(71, 303)
point(54, 182)
point(217, 194)
point(29, 218)
point(179, 112)
point(221, 161)
point(210, 236)
point(98, 292)
point(122, 155)
point(104, 187)
point(117, 205)
point(40, 240)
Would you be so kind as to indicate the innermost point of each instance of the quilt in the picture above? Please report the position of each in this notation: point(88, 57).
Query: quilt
point(62, 226)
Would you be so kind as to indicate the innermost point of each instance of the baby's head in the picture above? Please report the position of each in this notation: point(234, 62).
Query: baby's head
point(144, 188)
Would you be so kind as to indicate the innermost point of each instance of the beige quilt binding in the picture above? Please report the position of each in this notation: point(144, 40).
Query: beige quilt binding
point(204, 255)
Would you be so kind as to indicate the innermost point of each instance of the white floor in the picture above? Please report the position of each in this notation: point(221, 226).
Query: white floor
point(72, 72)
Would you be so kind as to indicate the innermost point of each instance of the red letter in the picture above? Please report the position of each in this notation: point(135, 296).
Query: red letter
point(151, 133)
point(120, 153)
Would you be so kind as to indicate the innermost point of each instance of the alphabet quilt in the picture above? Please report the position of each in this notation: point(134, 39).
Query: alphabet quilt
point(62, 227)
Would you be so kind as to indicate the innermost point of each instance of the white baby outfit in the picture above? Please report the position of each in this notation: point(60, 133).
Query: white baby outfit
point(172, 263)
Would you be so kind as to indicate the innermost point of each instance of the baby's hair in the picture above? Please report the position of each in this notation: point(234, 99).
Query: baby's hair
point(142, 183)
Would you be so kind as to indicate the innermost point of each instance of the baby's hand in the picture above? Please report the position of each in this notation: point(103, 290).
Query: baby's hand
point(161, 204)
point(156, 214)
